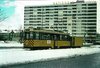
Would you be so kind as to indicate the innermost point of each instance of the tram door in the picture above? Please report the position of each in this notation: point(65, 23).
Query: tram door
point(55, 39)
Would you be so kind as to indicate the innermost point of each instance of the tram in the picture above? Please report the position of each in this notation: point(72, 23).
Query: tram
point(50, 39)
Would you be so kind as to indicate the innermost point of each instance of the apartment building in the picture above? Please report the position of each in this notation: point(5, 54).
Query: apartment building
point(76, 18)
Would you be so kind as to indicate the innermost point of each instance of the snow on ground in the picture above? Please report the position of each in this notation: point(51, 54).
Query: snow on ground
point(10, 44)
point(13, 56)
point(96, 46)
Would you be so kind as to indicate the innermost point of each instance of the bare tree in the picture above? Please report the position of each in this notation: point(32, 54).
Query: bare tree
point(2, 16)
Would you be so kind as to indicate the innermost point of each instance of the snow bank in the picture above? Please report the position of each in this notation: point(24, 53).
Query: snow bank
point(96, 46)
point(12, 56)
point(10, 44)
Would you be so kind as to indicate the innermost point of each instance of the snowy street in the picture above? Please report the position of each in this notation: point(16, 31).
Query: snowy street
point(86, 61)
point(14, 56)
point(10, 44)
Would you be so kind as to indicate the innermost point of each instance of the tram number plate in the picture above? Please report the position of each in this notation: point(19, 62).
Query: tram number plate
point(48, 41)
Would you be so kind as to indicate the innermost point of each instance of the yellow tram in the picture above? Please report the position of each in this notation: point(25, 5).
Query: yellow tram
point(50, 39)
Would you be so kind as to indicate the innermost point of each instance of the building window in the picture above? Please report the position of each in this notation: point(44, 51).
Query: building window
point(91, 7)
point(83, 4)
point(92, 4)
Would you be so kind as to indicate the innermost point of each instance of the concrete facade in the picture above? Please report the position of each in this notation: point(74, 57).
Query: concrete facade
point(76, 18)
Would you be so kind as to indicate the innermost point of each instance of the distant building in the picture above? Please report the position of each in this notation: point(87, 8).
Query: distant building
point(7, 35)
point(77, 18)
point(97, 39)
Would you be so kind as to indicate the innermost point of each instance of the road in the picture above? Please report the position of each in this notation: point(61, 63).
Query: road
point(86, 61)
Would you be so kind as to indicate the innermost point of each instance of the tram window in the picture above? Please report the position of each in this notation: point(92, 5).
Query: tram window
point(51, 37)
point(57, 37)
point(69, 38)
point(44, 36)
point(48, 36)
point(60, 37)
point(64, 37)
point(34, 35)
point(31, 35)
point(40, 36)
point(27, 36)
point(37, 35)
point(23, 35)
point(54, 37)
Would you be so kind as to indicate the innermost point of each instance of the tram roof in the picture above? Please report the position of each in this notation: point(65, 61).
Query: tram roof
point(46, 31)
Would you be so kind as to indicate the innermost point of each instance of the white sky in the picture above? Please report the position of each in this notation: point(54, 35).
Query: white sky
point(17, 20)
